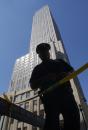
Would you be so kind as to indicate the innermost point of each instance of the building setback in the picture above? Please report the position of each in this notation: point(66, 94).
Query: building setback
point(44, 29)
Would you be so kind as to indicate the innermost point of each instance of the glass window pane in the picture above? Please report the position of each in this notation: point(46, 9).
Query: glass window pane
point(25, 128)
point(18, 128)
point(27, 94)
point(27, 105)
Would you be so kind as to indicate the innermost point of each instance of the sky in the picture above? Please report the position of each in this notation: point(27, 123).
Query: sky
point(15, 32)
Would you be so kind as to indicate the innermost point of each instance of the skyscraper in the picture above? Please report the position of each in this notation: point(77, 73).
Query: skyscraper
point(21, 74)
point(44, 29)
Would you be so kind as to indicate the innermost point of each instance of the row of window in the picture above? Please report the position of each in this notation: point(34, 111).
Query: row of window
point(25, 106)
point(21, 62)
point(25, 128)
point(21, 65)
point(20, 83)
point(22, 96)
point(21, 69)
point(23, 58)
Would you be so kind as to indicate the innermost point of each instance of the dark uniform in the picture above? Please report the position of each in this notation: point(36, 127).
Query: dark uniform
point(60, 100)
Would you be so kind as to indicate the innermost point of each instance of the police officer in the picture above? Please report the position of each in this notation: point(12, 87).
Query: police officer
point(61, 99)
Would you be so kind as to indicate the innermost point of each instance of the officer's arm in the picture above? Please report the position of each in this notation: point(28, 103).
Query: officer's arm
point(67, 67)
point(34, 82)
point(37, 83)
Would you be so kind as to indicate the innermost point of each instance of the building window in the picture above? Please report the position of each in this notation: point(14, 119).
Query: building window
point(41, 113)
point(34, 102)
point(35, 92)
point(40, 101)
point(35, 112)
point(25, 128)
point(12, 120)
point(18, 128)
point(27, 105)
point(17, 98)
point(35, 105)
point(23, 96)
point(21, 105)
point(27, 94)
point(34, 128)
point(19, 122)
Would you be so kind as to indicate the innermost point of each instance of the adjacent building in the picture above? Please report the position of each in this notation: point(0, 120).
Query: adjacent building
point(44, 29)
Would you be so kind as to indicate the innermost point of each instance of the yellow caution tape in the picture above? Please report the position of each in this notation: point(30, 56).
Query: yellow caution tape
point(67, 78)
point(74, 74)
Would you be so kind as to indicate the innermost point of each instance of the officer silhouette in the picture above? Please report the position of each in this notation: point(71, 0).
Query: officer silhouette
point(60, 100)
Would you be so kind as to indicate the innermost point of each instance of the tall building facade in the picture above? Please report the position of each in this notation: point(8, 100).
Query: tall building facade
point(44, 29)
point(21, 74)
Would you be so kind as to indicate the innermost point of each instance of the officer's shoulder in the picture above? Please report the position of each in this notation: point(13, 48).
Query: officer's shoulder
point(37, 66)
point(59, 60)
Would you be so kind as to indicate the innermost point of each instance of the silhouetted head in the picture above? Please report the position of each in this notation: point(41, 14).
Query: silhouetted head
point(43, 51)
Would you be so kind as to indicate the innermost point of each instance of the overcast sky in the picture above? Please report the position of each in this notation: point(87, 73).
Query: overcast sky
point(71, 17)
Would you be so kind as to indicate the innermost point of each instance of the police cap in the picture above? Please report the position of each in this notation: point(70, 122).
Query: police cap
point(42, 47)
